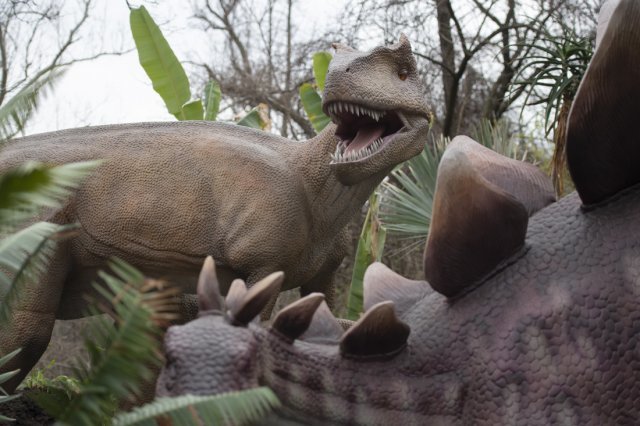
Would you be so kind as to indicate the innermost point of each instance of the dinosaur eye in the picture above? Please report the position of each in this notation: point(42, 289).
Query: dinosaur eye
point(403, 73)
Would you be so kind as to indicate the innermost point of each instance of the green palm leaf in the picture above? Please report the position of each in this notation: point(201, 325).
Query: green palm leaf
point(160, 63)
point(15, 112)
point(25, 190)
point(24, 257)
point(312, 104)
point(234, 408)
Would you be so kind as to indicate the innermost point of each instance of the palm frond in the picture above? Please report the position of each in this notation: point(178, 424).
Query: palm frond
point(121, 357)
point(25, 190)
point(15, 113)
point(408, 196)
point(24, 256)
point(4, 397)
point(233, 408)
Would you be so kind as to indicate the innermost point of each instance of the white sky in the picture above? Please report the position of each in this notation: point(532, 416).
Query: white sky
point(115, 89)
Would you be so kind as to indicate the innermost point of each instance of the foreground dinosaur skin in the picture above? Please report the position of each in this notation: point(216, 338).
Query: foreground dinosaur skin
point(169, 194)
point(523, 320)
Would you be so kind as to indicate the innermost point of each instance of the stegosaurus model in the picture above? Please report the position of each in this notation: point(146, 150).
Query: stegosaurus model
point(169, 194)
point(521, 320)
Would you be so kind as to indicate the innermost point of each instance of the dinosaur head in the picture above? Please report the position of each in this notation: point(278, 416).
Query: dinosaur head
point(377, 101)
point(218, 344)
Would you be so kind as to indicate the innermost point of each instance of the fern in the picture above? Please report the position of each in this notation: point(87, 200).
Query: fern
point(126, 353)
point(233, 408)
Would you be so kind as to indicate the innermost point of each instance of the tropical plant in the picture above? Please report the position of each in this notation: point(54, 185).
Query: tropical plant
point(310, 94)
point(24, 254)
point(4, 396)
point(16, 111)
point(408, 195)
point(369, 250)
point(233, 408)
point(558, 63)
point(170, 80)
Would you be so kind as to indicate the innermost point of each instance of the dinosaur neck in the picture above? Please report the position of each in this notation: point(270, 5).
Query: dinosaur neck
point(333, 203)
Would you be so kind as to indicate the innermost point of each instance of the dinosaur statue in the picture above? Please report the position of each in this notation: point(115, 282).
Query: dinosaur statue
point(530, 312)
point(169, 194)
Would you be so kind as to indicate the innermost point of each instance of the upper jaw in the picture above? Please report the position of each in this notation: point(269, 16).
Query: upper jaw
point(365, 131)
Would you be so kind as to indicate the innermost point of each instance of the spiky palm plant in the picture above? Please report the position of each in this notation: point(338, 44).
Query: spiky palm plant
point(407, 198)
point(558, 63)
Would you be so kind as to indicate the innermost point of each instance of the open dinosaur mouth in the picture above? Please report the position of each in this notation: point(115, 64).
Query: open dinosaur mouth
point(363, 131)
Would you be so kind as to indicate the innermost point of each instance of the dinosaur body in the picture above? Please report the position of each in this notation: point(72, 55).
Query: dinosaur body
point(539, 343)
point(530, 313)
point(169, 194)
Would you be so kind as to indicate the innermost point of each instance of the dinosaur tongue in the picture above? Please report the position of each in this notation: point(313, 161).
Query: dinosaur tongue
point(366, 135)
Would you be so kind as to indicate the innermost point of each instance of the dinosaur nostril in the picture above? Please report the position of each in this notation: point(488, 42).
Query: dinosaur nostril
point(348, 69)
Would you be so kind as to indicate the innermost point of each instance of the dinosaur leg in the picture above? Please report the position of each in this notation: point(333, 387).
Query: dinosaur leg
point(32, 318)
point(324, 282)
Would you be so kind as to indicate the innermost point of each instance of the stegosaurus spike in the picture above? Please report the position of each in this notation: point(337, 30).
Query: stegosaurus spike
point(377, 335)
point(602, 137)
point(382, 284)
point(244, 305)
point(293, 320)
point(476, 226)
point(325, 328)
point(209, 297)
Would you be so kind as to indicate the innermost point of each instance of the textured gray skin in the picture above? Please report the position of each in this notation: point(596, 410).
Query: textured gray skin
point(550, 338)
point(169, 194)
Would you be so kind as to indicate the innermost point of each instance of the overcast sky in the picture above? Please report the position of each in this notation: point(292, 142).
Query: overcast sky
point(115, 89)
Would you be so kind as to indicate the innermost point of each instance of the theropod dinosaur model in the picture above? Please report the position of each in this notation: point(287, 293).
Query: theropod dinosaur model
point(522, 320)
point(169, 194)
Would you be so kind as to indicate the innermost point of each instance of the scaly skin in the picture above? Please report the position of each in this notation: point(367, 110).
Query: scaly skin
point(552, 339)
point(551, 335)
point(169, 194)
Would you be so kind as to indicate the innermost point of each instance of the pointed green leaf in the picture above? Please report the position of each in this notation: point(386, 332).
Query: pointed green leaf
point(159, 62)
point(212, 95)
point(370, 248)
point(192, 110)
point(253, 120)
point(312, 104)
point(320, 67)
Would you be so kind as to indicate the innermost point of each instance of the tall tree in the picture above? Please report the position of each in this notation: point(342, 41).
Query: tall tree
point(265, 61)
point(470, 50)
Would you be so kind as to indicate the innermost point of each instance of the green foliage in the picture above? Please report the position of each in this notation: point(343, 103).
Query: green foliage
point(4, 396)
point(370, 248)
point(234, 408)
point(169, 78)
point(321, 62)
point(160, 63)
point(25, 190)
point(253, 119)
point(212, 96)
point(558, 63)
point(121, 357)
point(312, 103)
point(309, 94)
point(408, 195)
point(15, 112)
point(24, 255)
